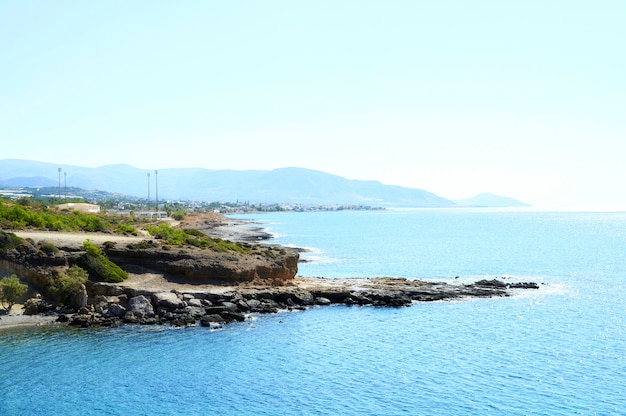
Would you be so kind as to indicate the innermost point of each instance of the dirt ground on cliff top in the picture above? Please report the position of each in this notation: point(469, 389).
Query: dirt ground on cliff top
point(60, 239)
point(193, 219)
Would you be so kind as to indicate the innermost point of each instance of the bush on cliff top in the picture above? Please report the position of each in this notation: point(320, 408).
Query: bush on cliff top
point(48, 248)
point(127, 229)
point(9, 241)
point(99, 266)
point(180, 236)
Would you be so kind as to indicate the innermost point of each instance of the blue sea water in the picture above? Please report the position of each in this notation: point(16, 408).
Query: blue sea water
point(559, 350)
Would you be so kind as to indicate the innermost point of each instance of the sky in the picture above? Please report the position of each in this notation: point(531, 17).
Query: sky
point(520, 98)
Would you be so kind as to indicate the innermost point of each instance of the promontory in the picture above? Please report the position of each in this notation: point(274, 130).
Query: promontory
point(108, 279)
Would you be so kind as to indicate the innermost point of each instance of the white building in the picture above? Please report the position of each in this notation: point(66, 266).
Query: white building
point(81, 207)
point(151, 214)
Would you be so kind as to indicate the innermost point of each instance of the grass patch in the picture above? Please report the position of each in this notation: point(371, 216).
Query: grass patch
point(191, 237)
point(49, 248)
point(9, 241)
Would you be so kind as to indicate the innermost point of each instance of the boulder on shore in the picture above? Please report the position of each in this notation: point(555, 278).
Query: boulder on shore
point(141, 304)
point(168, 300)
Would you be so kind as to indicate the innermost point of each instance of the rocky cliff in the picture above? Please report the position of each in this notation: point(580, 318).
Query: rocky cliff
point(196, 266)
point(37, 261)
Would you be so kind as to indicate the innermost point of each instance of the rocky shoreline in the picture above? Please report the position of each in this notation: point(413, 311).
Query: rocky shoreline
point(218, 226)
point(190, 286)
point(112, 305)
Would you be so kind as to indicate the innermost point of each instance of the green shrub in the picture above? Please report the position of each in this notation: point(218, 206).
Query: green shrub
point(178, 215)
point(109, 244)
point(10, 291)
point(168, 233)
point(9, 241)
point(66, 287)
point(49, 248)
point(127, 229)
point(99, 266)
point(142, 245)
point(223, 245)
point(192, 237)
point(194, 232)
point(19, 216)
point(24, 201)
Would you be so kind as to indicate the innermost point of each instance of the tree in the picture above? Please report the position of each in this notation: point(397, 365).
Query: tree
point(10, 291)
point(68, 286)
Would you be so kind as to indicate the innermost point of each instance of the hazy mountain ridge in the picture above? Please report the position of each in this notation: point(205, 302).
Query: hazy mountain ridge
point(283, 185)
point(489, 199)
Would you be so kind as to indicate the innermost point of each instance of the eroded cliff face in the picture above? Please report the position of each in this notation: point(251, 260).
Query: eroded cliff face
point(32, 264)
point(197, 266)
point(186, 264)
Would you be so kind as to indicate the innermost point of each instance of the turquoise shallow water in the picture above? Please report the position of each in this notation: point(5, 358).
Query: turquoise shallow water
point(559, 350)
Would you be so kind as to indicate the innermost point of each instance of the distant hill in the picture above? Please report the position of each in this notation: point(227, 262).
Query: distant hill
point(27, 182)
point(285, 185)
point(490, 200)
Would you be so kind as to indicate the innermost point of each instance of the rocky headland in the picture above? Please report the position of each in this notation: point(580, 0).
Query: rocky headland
point(183, 286)
point(145, 300)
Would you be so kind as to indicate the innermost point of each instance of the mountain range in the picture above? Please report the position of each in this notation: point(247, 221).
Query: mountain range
point(284, 185)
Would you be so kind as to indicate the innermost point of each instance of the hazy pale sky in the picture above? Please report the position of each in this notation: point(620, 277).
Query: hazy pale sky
point(521, 98)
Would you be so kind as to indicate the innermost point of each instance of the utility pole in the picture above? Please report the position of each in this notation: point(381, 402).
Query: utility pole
point(148, 191)
point(59, 183)
point(65, 174)
point(156, 181)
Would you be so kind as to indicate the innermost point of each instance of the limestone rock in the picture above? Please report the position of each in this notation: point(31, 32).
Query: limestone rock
point(231, 316)
point(195, 312)
point(141, 304)
point(195, 303)
point(34, 306)
point(168, 300)
point(212, 320)
point(196, 265)
point(322, 301)
point(116, 310)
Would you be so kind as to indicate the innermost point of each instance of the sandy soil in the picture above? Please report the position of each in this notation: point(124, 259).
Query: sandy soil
point(76, 239)
point(16, 318)
point(195, 219)
point(158, 282)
